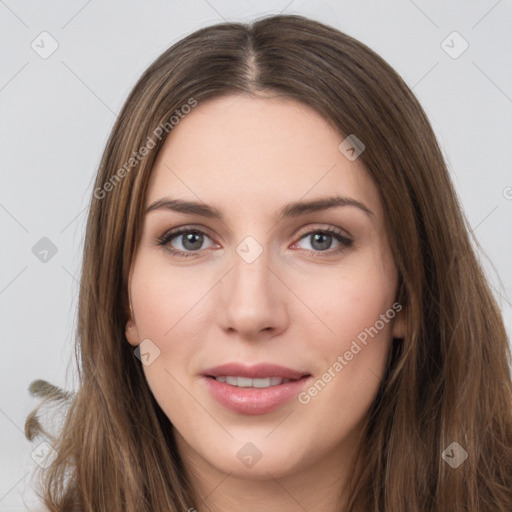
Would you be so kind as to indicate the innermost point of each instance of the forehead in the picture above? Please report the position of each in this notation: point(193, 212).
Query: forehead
point(245, 153)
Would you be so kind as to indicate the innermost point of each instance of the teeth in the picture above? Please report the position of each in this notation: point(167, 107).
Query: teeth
point(243, 382)
point(265, 383)
point(246, 382)
point(274, 381)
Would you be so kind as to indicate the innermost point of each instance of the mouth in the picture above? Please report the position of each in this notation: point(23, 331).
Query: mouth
point(254, 390)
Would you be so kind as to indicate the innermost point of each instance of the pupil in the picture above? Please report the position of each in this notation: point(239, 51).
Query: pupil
point(323, 239)
point(192, 241)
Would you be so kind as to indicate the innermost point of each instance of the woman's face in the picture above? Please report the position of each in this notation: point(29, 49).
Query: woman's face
point(244, 262)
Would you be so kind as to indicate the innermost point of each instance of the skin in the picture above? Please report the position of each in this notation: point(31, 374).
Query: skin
point(295, 305)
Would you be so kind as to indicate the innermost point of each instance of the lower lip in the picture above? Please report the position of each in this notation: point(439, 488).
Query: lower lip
point(254, 401)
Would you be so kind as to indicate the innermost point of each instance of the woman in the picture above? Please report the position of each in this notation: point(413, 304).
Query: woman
point(280, 306)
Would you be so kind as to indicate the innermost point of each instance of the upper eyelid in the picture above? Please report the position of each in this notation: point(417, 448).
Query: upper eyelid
point(311, 229)
point(175, 232)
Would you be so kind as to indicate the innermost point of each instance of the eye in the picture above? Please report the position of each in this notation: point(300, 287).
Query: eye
point(185, 241)
point(189, 241)
point(322, 240)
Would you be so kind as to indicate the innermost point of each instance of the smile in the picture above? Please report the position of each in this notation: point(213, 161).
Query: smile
point(254, 390)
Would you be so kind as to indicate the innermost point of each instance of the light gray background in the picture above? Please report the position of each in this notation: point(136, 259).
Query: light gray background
point(56, 114)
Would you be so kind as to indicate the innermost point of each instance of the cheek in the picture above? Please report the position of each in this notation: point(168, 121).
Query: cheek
point(170, 312)
point(173, 309)
point(349, 300)
point(352, 340)
point(164, 299)
point(357, 307)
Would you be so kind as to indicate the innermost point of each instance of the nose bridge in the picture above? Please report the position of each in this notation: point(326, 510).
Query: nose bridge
point(251, 302)
point(250, 276)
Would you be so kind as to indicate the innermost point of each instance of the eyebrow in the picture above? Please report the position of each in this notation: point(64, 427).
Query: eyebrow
point(290, 210)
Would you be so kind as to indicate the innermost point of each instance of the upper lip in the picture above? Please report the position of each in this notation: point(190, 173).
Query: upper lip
point(257, 371)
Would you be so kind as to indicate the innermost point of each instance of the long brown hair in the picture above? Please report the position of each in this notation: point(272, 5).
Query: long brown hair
point(447, 381)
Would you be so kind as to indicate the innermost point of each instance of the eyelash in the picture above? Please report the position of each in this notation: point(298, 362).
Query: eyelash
point(168, 236)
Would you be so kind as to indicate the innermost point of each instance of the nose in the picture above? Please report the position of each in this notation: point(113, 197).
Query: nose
point(253, 300)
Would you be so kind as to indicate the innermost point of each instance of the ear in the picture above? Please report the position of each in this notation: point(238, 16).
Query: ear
point(399, 324)
point(132, 334)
